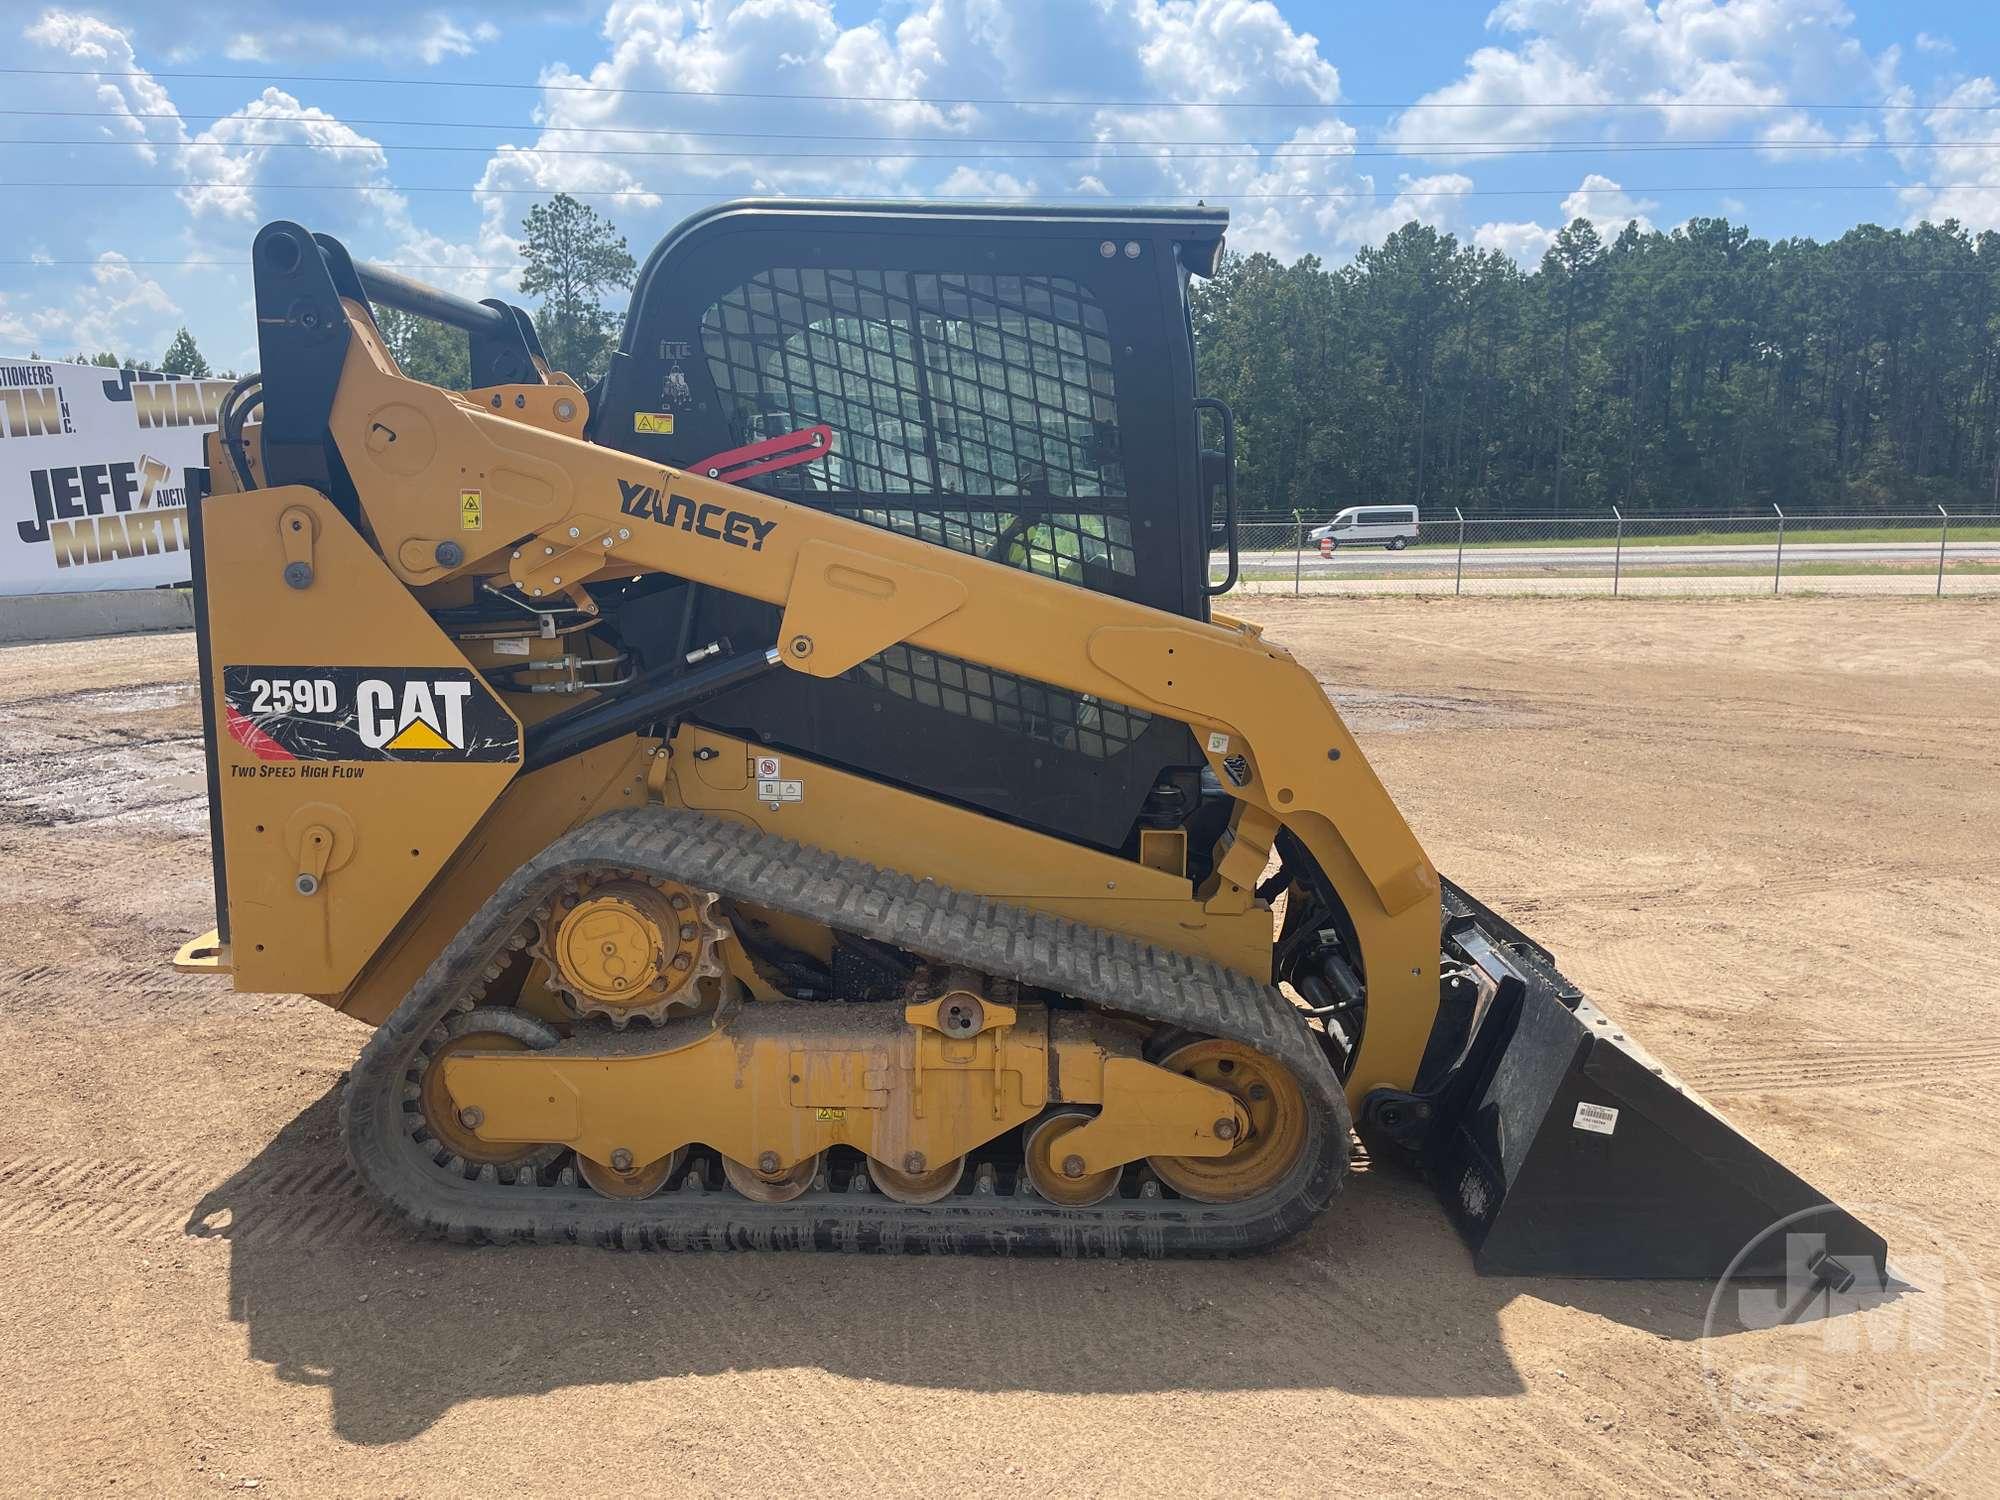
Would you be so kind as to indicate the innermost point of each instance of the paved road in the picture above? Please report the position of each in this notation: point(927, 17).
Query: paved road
point(1565, 557)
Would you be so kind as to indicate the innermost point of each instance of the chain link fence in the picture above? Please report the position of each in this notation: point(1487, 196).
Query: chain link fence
point(1615, 554)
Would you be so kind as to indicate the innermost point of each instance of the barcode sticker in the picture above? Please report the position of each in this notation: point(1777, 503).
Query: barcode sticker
point(1601, 1118)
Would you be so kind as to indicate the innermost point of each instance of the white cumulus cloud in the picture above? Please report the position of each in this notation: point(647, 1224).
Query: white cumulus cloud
point(669, 67)
point(119, 308)
point(1960, 175)
point(1698, 67)
point(1525, 240)
point(132, 105)
point(1606, 205)
point(303, 31)
point(275, 145)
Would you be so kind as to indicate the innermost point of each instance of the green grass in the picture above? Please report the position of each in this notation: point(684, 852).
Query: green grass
point(1764, 538)
point(1817, 534)
point(1447, 541)
point(1828, 569)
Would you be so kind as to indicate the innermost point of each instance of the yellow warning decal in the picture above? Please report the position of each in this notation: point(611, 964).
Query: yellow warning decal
point(823, 1113)
point(470, 510)
point(653, 421)
point(418, 735)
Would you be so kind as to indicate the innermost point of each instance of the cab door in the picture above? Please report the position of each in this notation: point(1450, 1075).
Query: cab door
point(996, 382)
point(1013, 384)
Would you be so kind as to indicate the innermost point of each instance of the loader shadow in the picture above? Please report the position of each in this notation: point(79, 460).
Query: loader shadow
point(1379, 1299)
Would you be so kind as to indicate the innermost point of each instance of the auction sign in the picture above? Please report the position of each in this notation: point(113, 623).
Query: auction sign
point(96, 466)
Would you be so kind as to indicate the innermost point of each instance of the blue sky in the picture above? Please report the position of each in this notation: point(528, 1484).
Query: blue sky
point(421, 132)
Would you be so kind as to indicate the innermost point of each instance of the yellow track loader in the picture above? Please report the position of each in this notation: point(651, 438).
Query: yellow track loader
point(797, 792)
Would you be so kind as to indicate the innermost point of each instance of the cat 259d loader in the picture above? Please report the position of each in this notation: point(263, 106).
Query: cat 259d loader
point(798, 793)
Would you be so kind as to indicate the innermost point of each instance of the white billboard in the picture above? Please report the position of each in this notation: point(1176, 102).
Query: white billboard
point(95, 469)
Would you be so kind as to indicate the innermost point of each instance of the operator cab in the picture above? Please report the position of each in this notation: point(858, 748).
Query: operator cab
point(1015, 383)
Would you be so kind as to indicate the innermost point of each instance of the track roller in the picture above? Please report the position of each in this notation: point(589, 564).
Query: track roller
point(919, 1186)
point(780, 1185)
point(636, 1182)
point(1049, 1170)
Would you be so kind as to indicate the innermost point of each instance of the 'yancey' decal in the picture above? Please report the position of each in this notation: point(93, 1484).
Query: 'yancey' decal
point(720, 523)
point(367, 713)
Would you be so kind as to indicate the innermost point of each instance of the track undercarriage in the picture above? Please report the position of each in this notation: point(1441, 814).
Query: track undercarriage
point(1037, 1086)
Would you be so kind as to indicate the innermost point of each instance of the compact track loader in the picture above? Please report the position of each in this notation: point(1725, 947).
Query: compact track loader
point(798, 793)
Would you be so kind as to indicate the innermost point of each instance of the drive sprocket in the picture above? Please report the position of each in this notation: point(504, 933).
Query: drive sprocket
point(629, 946)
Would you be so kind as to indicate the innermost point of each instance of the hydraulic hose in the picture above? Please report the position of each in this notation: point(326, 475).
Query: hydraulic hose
point(657, 695)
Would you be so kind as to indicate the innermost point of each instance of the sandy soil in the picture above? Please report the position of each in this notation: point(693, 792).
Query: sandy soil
point(1765, 835)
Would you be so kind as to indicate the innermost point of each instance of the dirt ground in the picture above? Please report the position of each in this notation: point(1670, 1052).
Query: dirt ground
point(1765, 835)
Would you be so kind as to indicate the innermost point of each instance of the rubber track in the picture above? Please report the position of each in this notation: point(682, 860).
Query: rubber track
point(1104, 968)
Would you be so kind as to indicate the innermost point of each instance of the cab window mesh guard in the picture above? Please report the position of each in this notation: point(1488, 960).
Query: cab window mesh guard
point(973, 412)
point(1093, 727)
point(984, 404)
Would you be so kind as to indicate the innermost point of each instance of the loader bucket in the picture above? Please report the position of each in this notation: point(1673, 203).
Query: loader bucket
point(1562, 1148)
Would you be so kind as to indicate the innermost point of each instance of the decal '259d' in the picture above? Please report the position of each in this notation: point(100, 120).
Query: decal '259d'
point(367, 713)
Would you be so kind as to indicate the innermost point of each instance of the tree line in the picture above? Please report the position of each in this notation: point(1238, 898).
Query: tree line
point(1700, 370)
point(183, 357)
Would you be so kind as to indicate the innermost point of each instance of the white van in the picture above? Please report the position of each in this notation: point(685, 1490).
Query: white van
point(1391, 526)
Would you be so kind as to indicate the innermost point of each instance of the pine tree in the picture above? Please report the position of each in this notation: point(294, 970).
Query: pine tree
point(574, 255)
point(183, 358)
point(1573, 270)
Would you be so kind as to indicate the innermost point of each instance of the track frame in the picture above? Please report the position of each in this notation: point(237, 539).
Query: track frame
point(1097, 967)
